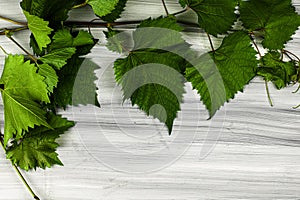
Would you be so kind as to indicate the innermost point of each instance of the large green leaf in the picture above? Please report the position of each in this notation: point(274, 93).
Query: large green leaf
point(103, 7)
point(214, 16)
point(37, 148)
point(151, 75)
point(39, 29)
point(222, 73)
point(276, 19)
point(22, 89)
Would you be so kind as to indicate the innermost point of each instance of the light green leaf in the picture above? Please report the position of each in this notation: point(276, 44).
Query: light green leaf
point(37, 148)
point(39, 29)
point(51, 79)
point(214, 16)
point(115, 14)
point(21, 89)
point(102, 7)
point(58, 57)
point(219, 75)
point(275, 19)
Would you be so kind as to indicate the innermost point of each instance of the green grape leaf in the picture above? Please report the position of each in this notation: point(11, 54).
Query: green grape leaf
point(51, 78)
point(22, 88)
point(214, 16)
point(151, 75)
point(275, 19)
point(103, 7)
point(115, 13)
point(76, 83)
point(275, 70)
point(54, 11)
point(39, 29)
point(58, 57)
point(37, 148)
point(222, 73)
point(117, 41)
point(147, 82)
point(63, 38)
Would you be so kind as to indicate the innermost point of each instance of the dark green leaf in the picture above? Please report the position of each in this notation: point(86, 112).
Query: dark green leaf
point(214, 16)
point(54, 11)
point(151, 76)
point(275, 70)
point(222, 73)
point(275, 19)
point(37, 148)
point(103, 7)
point(115, 14)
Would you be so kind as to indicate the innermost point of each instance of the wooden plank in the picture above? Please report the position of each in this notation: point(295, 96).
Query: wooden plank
point(254, 148)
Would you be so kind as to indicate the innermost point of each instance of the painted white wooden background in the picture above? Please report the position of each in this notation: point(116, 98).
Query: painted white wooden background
point(117, 153)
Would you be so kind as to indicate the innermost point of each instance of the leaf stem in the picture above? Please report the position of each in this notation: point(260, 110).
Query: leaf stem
point(295, 107)
point(13, 21)
point(80, 5)
point(297, 90)
point(210, 42)
point(3, 50)
point(4, 31)
point(268, 93)
point(286, 51)
point(257, 49)
point(20, 174)
point(165, 6)
point(22, 48)
point(179, 12)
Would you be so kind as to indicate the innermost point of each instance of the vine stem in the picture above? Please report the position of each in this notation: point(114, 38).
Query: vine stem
point(266, 82)
point(80, 5)
point(165, 6)
point(268, 93)
point(13, 21)
point(20, 174)
point(179, 12)
point(210, 42)
point(23, 49)
point(286, 51)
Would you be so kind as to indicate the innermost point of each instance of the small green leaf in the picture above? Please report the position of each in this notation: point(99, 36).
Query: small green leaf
point(103, 7)
point(275, 70)
point(275, 19)
point(58, 57)
point(115, 14)
point(37, 148)
point(224, 72)
point(23, 88)
point(39, 29)
point(214, 16)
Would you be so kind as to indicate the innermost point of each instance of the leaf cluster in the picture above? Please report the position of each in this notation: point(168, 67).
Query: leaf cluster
point(157, 64)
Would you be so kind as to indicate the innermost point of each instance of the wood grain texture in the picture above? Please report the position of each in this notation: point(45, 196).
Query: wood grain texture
point(255, 149)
